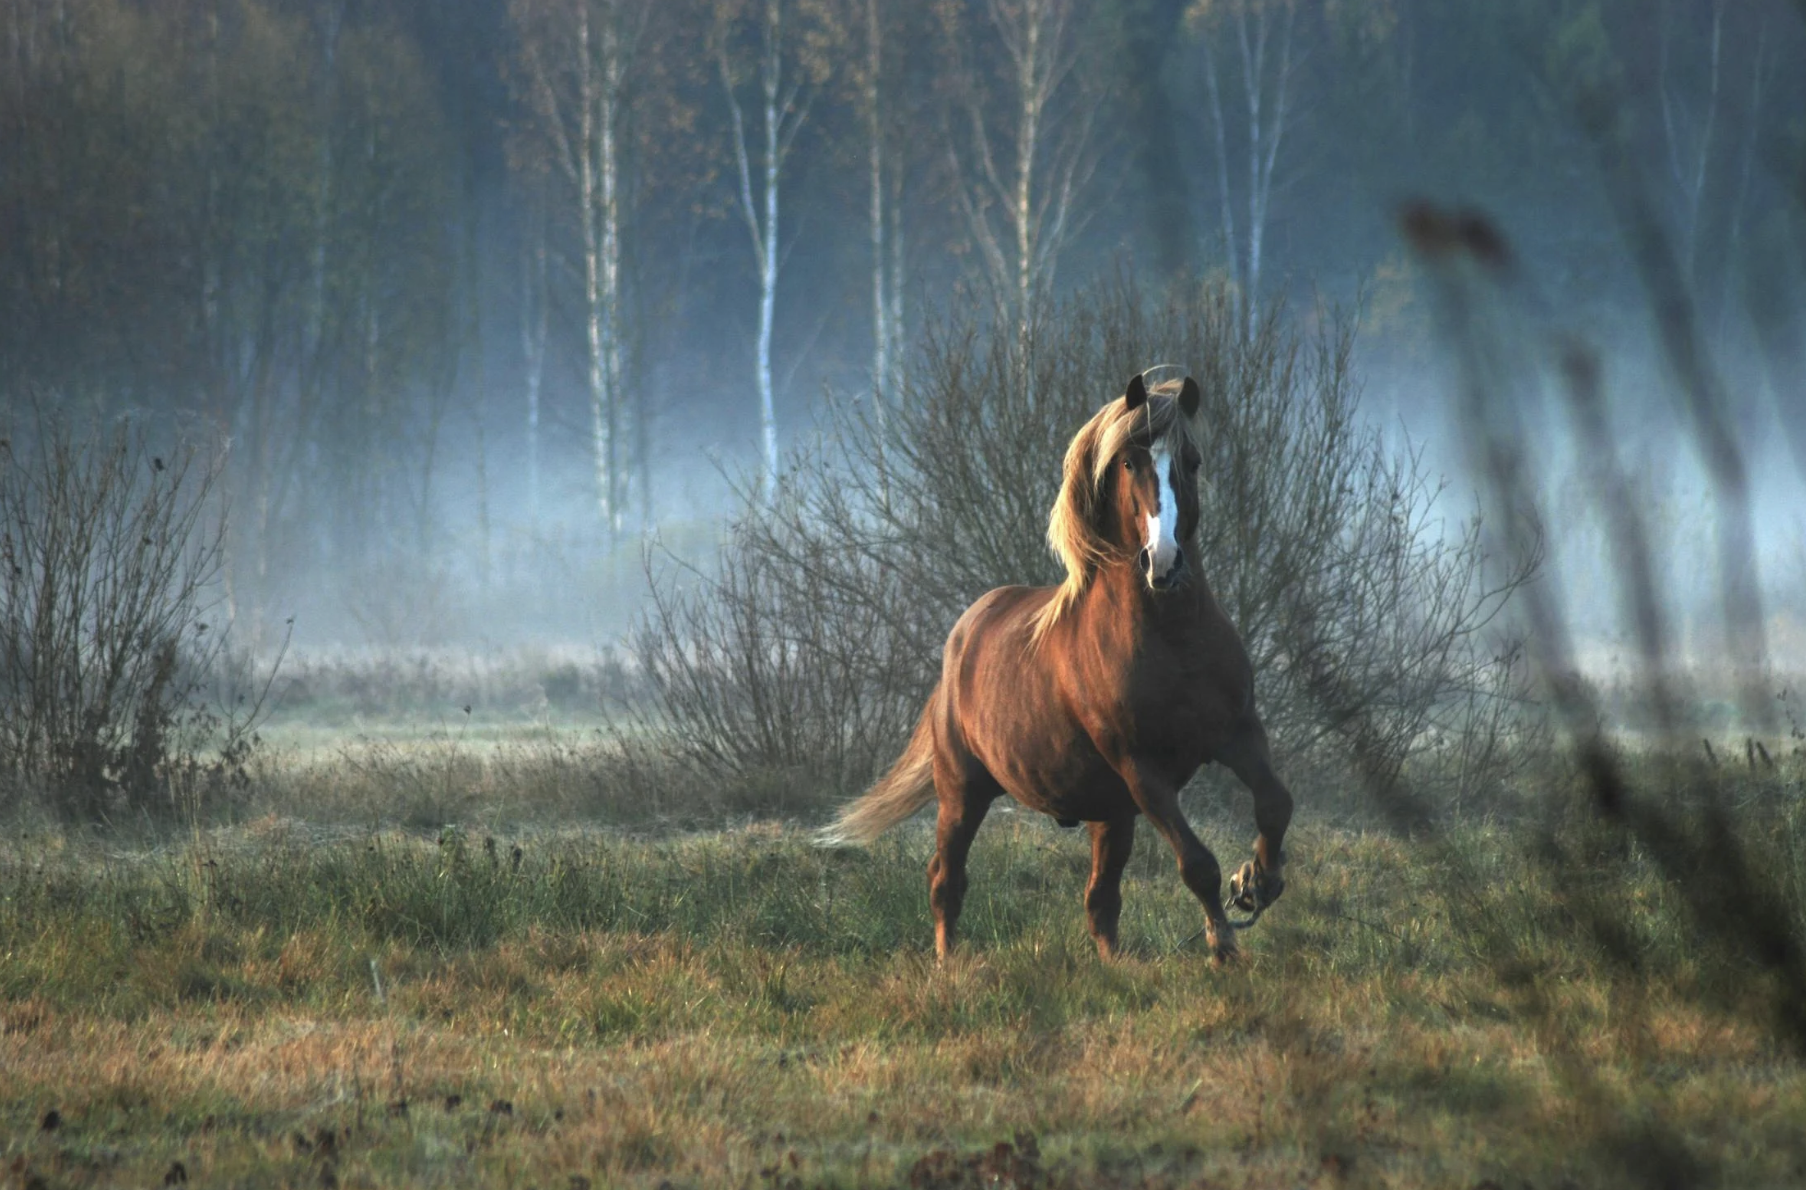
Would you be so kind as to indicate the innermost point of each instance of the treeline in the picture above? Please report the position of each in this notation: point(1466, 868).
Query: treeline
point(449, 276)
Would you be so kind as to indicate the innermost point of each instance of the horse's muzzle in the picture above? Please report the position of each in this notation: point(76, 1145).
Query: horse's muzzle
point(1174, 576)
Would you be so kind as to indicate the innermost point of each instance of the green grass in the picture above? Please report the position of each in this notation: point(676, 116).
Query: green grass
point(739, 1008)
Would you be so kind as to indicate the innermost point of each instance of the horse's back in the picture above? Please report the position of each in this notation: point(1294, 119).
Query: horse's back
point(1006, 610)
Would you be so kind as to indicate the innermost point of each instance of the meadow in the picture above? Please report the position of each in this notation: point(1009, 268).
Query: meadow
point(421, 952)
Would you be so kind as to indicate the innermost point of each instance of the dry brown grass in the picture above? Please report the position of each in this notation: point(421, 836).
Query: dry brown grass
point(738, 999)
point(1186, 1089)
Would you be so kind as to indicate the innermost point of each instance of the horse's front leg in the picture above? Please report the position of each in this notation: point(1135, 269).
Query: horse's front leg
point(1158, 798)
point(1259, 882)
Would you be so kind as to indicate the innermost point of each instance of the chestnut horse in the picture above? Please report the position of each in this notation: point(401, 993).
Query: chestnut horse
point(1095, 701)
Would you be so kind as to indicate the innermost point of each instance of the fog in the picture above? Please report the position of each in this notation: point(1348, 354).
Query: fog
point(469, 297)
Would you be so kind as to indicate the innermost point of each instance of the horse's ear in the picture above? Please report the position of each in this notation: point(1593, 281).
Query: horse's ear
point(1189, 398)
point(1136, 395)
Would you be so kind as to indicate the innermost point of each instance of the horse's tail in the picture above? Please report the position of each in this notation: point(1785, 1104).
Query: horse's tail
point(906, 788)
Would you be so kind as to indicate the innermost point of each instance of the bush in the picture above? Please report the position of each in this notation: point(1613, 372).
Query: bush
point(810, 649)
point(110, 557)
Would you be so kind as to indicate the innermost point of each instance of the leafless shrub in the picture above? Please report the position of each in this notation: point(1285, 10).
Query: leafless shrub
point(109, 559)
point(809, 651)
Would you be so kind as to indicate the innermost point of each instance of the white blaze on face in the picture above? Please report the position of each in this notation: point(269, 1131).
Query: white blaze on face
point(1163, 523)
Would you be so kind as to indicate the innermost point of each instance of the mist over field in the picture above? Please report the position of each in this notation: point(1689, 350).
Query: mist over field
point(472, 318)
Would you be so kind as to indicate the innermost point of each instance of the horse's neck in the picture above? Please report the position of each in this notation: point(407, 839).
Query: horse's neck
point(1119, 596)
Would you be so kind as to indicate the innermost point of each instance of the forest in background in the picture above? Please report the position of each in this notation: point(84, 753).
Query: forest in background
point(473, 295)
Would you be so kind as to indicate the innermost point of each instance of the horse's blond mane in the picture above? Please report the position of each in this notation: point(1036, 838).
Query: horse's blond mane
point(1073, 531)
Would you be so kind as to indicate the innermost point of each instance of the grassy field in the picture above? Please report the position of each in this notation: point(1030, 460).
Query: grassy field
point(456, 970)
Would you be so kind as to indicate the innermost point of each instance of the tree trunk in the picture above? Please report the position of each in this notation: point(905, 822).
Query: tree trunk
point(1231, 244)
point(875, 130)
point(608, 159)
point(768, 271)
point(1021, 201)
point(761, 212)
point(533, 327)
point(1027, 139)
point(898, 329)
point(1264, 81)
point(591, 105)
point(332, 19)
point(1688, 162)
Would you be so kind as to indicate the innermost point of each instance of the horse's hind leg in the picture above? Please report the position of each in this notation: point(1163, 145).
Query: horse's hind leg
point(964, 799)
point(1111, 843)
point(1260, 881)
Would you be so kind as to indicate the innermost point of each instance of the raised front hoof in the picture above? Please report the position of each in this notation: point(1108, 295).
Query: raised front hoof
point(1253, 888)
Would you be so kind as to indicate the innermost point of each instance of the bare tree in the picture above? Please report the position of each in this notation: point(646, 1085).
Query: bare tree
point(1711, 99)
point(1689, 136)
point(784, 77)
point(1261, 35)
point(885, 165)
point(574, 60)
point(1022, 149)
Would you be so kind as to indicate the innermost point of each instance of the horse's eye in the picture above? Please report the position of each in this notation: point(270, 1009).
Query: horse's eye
point(1128, 462)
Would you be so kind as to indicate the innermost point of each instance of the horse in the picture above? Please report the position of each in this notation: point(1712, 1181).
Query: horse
point(1096, 700)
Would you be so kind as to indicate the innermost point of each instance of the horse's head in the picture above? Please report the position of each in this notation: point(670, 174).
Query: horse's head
point(1154, 463)
point(1128, 493)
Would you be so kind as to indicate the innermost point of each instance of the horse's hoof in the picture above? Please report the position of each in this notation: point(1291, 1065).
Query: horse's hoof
point(1252, 888)
point(1241, 887)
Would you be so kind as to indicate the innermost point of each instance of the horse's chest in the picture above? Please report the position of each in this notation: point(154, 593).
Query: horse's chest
point(1169, 710)
point(1142, 714)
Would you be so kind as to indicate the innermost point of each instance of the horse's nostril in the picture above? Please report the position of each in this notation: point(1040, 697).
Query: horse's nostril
point(1142, 558)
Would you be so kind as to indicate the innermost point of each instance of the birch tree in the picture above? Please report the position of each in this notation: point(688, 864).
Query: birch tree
point(1689, 136)
point(885, 174)
point(1712, 99)
point(535, 309)
point(1257, 39)
point(573, 66)
point(776, 71)
point(1021, 146)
